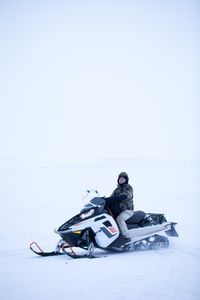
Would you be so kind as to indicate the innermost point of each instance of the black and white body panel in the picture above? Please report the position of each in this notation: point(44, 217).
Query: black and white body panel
point(106, 230)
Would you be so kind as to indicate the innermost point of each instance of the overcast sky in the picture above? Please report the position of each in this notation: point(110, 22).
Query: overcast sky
point(99, 78)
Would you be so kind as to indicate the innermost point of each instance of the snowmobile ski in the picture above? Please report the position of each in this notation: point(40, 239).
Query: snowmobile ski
point(40, 252)
point(74, 255)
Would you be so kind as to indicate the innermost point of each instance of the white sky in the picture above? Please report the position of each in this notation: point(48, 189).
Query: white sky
point(99, 78)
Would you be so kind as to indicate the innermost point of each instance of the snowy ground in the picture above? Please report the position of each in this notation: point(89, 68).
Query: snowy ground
point(38, 195)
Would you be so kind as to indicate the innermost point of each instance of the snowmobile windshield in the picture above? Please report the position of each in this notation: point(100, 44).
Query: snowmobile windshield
point(95, 202)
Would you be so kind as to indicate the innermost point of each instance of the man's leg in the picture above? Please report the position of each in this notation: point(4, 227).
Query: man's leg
point(121, 220)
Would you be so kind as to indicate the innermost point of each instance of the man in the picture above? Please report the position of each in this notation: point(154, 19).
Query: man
point(120, 203)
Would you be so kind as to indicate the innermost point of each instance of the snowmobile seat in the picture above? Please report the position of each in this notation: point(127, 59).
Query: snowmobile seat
point(134, 221)
point(137, 217)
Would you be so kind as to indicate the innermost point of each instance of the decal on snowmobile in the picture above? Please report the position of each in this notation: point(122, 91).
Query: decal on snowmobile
point(113, 229)
point(108, 233)
point(100, 218)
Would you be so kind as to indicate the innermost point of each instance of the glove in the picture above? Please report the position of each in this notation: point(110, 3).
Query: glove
point(112, 199)
point(120, 197)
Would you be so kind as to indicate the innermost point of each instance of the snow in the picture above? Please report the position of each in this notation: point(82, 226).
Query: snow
point(39, 195)
point(89, 89)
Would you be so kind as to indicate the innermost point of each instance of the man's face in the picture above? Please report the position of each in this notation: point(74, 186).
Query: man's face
point(122, 180)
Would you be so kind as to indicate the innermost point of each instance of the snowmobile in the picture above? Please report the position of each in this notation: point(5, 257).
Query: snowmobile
point(95, 227)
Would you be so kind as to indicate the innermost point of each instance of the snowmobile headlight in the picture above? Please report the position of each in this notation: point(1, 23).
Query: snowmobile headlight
point(77, 232)
point(87, 214)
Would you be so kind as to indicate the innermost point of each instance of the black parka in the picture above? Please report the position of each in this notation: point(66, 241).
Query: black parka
point(125, 190)
point(121, 198)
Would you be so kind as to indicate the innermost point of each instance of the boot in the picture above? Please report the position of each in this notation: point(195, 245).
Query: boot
point(127, 240)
